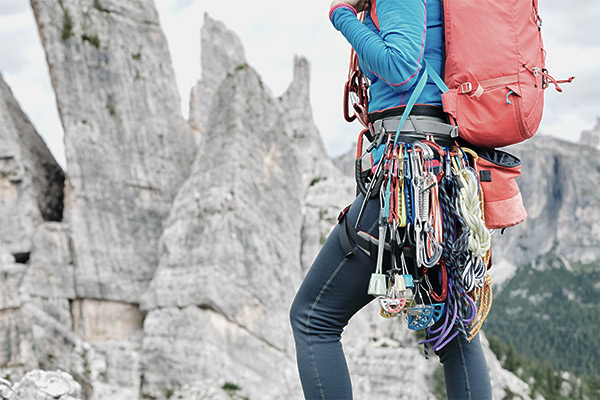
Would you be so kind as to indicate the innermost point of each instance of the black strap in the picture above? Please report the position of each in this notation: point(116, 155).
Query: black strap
point(418, 109)
point(345, 241)
point(348, 235)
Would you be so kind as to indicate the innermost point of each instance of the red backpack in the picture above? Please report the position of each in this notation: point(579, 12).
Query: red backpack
point(494, 75)
point(495, 70)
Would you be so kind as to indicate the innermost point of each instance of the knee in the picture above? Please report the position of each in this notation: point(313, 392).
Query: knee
point(298, 315)
point(307, 320)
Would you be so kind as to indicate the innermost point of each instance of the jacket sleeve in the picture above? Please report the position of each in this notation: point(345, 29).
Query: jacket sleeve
point(395, 54)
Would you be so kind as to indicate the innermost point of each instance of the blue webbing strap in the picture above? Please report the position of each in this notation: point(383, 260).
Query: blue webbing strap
point(411, 102)
point(427, 72)
point(436, 78)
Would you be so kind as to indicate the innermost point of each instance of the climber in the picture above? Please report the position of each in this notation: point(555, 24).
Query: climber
point(391, 44)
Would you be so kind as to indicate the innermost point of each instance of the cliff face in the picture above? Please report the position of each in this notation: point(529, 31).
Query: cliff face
point(127, 146)
point(31, 182)
point(559, 184)
point(182, 246)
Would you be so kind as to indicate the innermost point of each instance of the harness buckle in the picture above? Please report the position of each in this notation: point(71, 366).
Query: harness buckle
point(454, 132)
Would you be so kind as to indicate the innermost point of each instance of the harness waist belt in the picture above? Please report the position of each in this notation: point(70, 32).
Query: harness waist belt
point(417, 124)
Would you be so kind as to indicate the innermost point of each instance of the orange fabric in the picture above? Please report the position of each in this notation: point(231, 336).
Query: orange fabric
point(503, 205)
point(373, 14)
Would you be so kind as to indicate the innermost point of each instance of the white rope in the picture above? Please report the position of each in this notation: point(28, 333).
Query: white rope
point(479, 237)
point(473, 275)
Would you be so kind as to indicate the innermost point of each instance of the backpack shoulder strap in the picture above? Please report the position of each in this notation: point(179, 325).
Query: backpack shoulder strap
point(428, 71)
point(435, 77)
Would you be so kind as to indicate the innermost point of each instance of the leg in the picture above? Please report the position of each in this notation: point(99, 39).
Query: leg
point(465, 370)
point(334, 289)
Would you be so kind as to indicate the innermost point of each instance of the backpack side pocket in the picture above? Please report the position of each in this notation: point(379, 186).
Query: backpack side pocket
point(503, 204)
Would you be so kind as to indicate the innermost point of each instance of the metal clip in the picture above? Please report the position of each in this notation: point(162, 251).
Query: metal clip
point(454, 132)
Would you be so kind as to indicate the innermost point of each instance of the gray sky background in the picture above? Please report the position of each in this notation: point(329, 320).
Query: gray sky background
point(275, 33)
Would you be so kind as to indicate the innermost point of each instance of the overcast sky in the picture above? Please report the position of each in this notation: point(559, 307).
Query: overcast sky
point(275, 32)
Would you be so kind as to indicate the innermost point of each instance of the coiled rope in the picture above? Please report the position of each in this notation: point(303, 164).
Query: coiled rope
point(479, 239)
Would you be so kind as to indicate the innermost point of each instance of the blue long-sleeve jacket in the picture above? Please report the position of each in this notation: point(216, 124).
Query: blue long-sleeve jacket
point(392, 56)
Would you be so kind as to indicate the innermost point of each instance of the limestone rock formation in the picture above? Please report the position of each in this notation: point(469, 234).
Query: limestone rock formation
point(127, 145)
point(221, 227)
point(222, 52)
point(35, 254)
point(31, 181)
point(42, 385)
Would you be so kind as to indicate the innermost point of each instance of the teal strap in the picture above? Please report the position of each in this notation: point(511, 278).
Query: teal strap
point(427, 72)
point(436, 78)
point(411, 102)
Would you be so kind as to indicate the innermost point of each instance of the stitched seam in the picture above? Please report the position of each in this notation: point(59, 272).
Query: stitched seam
point(312, 308)
point(419, 60)
point(464, 366)
point(395, 84)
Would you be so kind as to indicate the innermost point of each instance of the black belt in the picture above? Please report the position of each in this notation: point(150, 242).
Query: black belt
point(418, 109)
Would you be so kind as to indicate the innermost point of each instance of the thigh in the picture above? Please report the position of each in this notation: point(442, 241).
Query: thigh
point(335, 287)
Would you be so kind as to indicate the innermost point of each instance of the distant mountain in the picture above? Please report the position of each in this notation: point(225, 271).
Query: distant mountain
point(546, 302)
point(591, 138)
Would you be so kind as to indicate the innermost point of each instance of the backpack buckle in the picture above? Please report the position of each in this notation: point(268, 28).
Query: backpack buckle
point(466, 87)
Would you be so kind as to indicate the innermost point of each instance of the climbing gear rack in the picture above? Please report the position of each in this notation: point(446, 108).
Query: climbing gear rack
point(431, 210)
